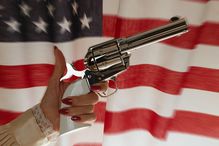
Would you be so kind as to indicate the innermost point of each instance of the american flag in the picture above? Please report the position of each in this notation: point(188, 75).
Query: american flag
point(168, 97)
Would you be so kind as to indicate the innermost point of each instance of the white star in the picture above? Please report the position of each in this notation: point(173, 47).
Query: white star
point(14, 25)
point(41, 25)
point(25, 9)
point(65, 25)
point(85, 21)
point(51, 9)
point(75, 8)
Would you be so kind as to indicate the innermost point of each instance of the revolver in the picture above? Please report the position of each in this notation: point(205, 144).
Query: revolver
point(106, 60)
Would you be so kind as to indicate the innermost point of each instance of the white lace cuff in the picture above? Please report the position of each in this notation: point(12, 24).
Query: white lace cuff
point(44, 124)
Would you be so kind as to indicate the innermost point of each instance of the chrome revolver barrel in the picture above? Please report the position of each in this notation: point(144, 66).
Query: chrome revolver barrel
point(176, 27)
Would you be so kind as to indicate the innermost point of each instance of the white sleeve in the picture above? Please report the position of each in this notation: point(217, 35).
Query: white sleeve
point(44, 124)
point(30, 129)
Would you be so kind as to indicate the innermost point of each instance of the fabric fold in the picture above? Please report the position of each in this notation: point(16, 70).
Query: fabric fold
point(6, 137)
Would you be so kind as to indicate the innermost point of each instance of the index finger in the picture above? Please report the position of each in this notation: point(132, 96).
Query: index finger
point(102, 86)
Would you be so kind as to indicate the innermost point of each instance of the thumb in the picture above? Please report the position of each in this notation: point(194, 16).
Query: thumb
point(60, 64)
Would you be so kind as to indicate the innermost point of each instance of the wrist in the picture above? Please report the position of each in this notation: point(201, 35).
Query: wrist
point(44, 123)
point(51, 114)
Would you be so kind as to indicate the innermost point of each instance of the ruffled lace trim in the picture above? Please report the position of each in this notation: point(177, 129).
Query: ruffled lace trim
point(44, 124)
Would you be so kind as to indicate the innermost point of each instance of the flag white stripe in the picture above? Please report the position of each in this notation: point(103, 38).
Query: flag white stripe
point(147, 98)
point(131, 138)
point(205, 56)
point(26, 53)
point(144, 138)
point(19, 100)
point(162, 103)
point(158, 9)
point(163, 55)
point(180, 139)
point(42, 52)
point(198, 101)
point(93, 134)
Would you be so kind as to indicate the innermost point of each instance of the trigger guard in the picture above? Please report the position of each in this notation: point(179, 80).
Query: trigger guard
point(104, 94)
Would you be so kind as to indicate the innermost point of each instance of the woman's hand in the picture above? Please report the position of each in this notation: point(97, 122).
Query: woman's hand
point(81, 108)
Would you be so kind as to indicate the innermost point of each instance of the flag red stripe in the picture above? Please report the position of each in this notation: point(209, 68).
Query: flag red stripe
point(195, 123)
point(202, 1)
point(150, 75)
point(139, 75)
point(99, 110)
point(24, 76)
point(88, 144)
point(183, 121)
point(208, 34)
point(115, 26)
point(7, 116)
point(117, 122)
point(169, 81)
point(202, 78)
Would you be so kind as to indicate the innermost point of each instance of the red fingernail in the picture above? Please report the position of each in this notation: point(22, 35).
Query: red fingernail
point(75, 118)
point(95, 88)
point(63, 111)
point(67, 101)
